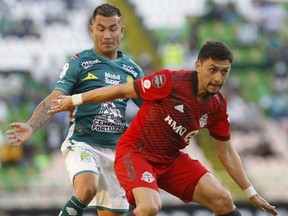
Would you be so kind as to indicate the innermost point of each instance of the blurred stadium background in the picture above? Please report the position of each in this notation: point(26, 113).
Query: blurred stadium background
point(38, 36)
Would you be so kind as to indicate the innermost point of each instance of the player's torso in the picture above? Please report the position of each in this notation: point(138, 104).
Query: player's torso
point(170, 123)
point(100, 124)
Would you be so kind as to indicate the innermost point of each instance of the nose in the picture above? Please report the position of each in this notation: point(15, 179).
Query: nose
point(218, 77)
point(107, 34)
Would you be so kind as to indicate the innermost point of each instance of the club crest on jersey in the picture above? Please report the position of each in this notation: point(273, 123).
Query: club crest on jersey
point(159, 81)
point(203, 120)
point(147, 177)
point(129, 79)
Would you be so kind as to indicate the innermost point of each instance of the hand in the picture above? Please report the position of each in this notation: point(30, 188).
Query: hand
point(63, 103)
point(261, 203)
point(20, 133)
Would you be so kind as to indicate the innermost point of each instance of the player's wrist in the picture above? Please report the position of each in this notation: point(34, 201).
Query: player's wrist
point(77, 99)
point(250, 191)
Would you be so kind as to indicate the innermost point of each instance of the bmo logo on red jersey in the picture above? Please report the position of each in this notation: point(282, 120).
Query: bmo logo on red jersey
point(179, 129)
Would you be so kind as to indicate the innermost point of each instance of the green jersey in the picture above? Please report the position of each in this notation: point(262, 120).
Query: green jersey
point(98, 124)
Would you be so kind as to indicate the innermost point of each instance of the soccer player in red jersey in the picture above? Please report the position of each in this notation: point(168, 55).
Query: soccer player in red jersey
point(177, 104)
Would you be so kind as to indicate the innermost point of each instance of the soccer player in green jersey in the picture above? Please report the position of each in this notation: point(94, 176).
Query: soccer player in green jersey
point(89, 148)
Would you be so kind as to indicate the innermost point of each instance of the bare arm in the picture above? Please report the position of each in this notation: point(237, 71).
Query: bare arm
point(40, 115)
point(107, 93)
point(21, 132)
point(232, 163)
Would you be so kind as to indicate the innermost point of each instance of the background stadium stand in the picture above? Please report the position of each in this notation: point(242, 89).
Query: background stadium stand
point(38, 36)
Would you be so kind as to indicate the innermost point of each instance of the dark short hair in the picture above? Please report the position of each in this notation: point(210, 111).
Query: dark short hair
point(215, 50)
point(106, 10)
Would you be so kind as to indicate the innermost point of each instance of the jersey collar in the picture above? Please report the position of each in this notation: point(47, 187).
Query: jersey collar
point(195, 83)
point(119, 54)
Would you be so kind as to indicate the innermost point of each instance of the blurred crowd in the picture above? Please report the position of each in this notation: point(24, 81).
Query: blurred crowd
point(259, 126)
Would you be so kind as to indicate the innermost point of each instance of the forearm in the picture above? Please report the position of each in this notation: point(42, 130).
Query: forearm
point(234, 167)
point(40, 116)
point(232, 163)
point(109, 93)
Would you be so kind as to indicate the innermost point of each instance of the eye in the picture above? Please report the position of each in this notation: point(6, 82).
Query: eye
point(224, 72)
point(212, 70)
point(113, 29)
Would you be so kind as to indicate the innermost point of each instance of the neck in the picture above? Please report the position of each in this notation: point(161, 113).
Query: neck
point(111, 56)
point(203, 97)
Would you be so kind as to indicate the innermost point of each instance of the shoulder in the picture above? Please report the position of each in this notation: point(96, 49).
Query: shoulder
point(129, 60)
point(130, 66)
point(179, 76)
point(85, 54)
point(182, 73)
point(85, 59)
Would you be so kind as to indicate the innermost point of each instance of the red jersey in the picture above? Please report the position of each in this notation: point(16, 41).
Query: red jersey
point(171, 115)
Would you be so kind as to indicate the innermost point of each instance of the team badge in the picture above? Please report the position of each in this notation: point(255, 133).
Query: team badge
point(85, 157)
point(146, 84)
point(147, 177)
point(203, 120)
point(159, 81)
point(130, 78)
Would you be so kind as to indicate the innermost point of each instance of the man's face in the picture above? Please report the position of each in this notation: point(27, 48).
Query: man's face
point(107, 33)
point(212, 75)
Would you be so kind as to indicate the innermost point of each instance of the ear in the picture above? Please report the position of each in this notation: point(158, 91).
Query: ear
point(197, 65)
point(91, 30)
point(122, 31)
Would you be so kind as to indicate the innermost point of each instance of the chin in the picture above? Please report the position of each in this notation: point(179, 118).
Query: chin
point(213, 92)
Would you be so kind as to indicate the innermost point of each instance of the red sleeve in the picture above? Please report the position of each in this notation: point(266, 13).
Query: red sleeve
point(155, 86)
point(220, 129)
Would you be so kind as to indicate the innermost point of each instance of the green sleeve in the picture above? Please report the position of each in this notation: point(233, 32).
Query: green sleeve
point(68, 78)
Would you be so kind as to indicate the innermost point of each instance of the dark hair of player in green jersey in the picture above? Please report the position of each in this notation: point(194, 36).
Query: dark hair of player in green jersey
point(106, 10)
point(215, 50)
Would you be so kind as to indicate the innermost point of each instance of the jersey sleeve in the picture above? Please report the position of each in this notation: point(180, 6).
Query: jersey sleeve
point(139, 101)
point(155, 86)
point(67, 78)
point(220, 129)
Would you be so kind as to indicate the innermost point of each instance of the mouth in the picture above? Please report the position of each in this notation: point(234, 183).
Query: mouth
point(107, 44)
point(214, 88)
